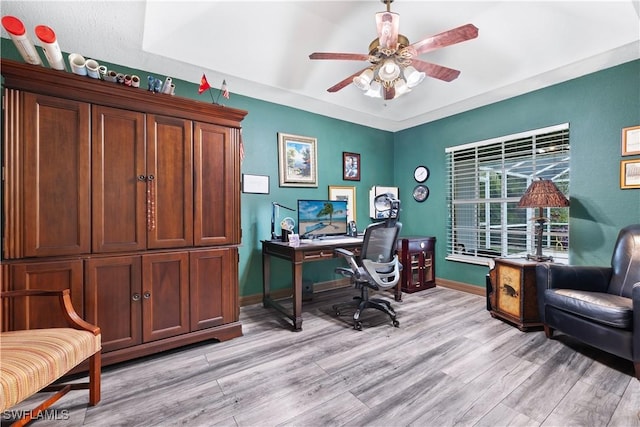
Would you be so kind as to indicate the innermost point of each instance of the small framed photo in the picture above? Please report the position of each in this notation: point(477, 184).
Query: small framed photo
point(350, 166)
point(297, 161)
point(630, 173)
point(338, 192)
point(631, 141)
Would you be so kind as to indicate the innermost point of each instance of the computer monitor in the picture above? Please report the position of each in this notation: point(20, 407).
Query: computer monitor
point(318, 218)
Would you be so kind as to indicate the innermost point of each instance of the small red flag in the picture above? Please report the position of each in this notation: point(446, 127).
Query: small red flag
point(204, 85)
point(225, 91)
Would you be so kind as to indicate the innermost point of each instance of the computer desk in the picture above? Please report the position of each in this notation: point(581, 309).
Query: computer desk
point(318, 250)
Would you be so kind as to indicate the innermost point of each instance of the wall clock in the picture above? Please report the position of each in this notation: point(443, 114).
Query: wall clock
point(421, 173)
point(420, 193)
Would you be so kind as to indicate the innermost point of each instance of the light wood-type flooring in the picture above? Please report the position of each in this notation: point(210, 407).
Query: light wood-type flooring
point(448, 364)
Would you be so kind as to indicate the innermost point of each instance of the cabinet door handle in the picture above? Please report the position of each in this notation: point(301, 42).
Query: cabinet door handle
point(151, 203)
point(142, 178)
point(147, 295)
point(135, 297)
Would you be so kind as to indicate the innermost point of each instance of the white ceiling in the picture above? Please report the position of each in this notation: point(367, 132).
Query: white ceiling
point(262, 48)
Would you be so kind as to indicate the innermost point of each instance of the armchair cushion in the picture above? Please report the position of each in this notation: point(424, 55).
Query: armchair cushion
point(33, 359)
point(607, 309)
point(36, 360)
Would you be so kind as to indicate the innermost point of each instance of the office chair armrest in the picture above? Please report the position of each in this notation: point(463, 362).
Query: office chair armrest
point(351, 260)
point(344, 252)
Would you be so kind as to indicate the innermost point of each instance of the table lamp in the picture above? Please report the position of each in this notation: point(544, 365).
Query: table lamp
point(274, 208)
point(542, 193)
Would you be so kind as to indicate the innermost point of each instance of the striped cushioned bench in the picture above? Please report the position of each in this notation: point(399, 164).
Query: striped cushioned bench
point(31, 360)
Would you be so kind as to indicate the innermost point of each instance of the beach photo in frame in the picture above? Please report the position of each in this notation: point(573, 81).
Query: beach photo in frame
point(350, 166)
point(630, 173)
point(340, 192)
point(631, 141)
point(297, 160)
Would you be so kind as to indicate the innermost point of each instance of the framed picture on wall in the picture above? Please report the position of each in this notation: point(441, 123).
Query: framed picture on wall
point(297, 161)
point(631, 141)
point(256, 184)
point(630, 173)
point(338, 192)
point(351, 166)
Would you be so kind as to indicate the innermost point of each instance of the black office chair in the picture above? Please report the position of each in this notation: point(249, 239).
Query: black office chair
point(377, 267)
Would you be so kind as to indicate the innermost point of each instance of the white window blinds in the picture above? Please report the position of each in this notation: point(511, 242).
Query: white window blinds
point(485, 182)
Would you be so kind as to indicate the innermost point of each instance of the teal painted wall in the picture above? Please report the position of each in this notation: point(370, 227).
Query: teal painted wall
point(597, 107)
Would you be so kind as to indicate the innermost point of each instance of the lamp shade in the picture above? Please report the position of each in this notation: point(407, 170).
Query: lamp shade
point(543, 193)
point(413, 76)
point(363, 81)
point(401, 87)
point(375, 90)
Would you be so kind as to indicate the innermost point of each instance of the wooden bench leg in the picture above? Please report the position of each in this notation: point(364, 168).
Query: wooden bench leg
point(35, 412)
point(95, 362)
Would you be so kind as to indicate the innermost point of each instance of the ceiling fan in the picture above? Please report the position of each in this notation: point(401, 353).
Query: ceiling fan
point(395, 68)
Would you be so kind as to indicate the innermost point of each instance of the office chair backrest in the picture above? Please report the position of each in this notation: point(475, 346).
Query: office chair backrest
point(379, 243)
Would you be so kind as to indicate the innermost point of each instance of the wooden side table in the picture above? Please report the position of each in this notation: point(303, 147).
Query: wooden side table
point(513, 295)
point(417, 255)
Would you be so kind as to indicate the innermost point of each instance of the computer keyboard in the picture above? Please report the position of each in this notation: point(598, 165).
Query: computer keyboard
point(336, 240)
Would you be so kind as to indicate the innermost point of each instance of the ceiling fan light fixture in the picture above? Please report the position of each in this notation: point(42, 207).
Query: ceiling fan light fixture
point(413, 76)
point(363, 81)
point(375, 90)
point(401, 88)
point(389, 71)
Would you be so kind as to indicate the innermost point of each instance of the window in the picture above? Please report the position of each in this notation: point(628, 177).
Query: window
point(485, 182)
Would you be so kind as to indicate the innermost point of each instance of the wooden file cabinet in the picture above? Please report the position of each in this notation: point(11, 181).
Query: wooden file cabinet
point(417, 255)
point(513, 296)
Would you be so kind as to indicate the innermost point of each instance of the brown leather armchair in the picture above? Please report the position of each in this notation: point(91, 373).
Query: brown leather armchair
point(600, 306)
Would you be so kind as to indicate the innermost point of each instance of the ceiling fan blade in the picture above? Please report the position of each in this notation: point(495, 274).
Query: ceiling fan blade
point(456, 35)
point(343, 56)
point(436, 71)
point(388, 24)
point(346, 82)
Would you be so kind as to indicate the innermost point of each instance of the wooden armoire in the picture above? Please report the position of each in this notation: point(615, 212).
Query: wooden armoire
point(130, 199)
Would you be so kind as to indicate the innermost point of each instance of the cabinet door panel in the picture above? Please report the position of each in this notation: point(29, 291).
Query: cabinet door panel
point(57, 177)
point(119, 180)
point(170, 171)
point(38, 312)
point(213, 293)
point(113, 300)
point(165, 295)
point(216, 206)
point(509, 289)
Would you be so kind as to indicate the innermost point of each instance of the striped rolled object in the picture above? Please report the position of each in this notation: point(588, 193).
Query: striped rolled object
point(31, 360)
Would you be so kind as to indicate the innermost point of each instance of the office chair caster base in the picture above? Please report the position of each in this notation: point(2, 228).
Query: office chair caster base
point(396, 323)
point(357, 325)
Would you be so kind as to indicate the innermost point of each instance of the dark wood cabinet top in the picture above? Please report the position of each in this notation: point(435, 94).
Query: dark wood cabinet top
point(62, 84)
